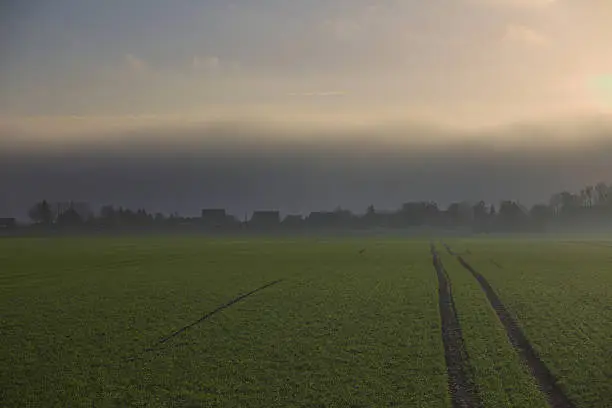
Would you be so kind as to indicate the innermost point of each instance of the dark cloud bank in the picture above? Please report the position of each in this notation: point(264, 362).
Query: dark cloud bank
point(245, 166)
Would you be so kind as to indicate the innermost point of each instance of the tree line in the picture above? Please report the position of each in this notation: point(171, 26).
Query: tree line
point(592, 205)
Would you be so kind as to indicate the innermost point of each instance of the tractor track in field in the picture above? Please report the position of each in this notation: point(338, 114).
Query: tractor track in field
point(448, 249)
point(461, 385)
point(494, 262)
point(546, 380)
point(217, 310)
point(161, 342)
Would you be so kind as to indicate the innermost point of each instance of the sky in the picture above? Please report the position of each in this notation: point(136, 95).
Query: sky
point(149, 86)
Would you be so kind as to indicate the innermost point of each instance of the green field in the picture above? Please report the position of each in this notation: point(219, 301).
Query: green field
point(561, 292)
point(82, 319)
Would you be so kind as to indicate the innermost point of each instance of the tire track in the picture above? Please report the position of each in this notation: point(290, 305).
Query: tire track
point(546, 380)
point(461, 385)
point(161, 345)
point(494, 262)
point(448, 249)
point(217, 310)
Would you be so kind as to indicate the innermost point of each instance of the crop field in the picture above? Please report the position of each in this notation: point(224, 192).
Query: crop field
point(561, 294)
point(190, 322)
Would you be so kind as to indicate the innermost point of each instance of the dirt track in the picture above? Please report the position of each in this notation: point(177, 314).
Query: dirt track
point(460, 379)
point(546, 380)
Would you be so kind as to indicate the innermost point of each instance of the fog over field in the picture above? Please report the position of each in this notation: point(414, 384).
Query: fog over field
point(302, 105)
point(257, 203)
point(300, 167)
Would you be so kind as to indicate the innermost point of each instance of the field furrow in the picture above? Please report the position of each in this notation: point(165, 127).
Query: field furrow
point(561, 294)
point(345, 328)
point(355, 322)
point(503, 380)
point(461, 385)
point(546, 380)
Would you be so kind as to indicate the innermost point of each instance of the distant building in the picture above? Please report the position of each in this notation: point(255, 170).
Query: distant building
point(293, 221)
point(214, 213)
point(322, 218)
point(7, 223)
point(265, 218)
point(330, 218)
point(215, 217)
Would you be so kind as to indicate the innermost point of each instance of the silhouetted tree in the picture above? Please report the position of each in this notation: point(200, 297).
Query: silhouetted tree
point(453, 214)
point(370, 210)
point(556, 203)
point(511, 215)
point(591, 205)
point(480, 216)
point(69, 217)
point(589, 193)
point(601, 193)
point(541, 215)
point(569, 203)
point(492, 211)
point(41, 213)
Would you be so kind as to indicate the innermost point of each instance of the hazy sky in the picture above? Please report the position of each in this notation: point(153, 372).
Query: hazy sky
point(458, 61)
point(76, 74)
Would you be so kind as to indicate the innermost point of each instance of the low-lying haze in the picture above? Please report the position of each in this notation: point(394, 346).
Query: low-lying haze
point(244, 166)
point(301, 105)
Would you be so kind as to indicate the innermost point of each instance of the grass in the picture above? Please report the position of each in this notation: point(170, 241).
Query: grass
point(561, 294)
point(501, 378)
point(342, 329)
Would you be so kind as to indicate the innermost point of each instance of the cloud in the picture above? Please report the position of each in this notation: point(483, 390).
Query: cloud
point(600, 87)
point(136, 64)
point(362, 21)
point(515, 3)
point(522, 34)
point(321, 94)
point(245, 165)
point(213, 65)
point(210, 64)
point(343, 28)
